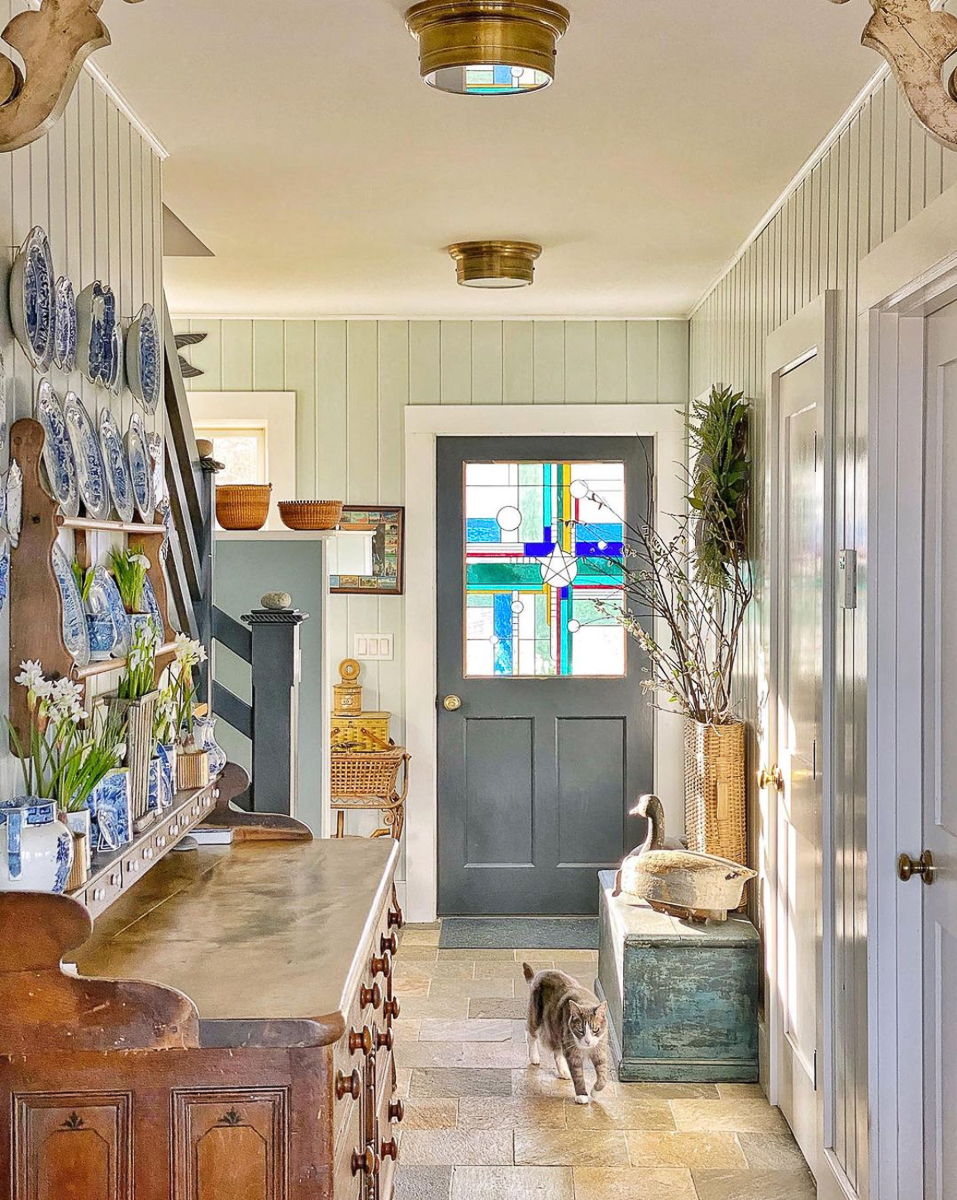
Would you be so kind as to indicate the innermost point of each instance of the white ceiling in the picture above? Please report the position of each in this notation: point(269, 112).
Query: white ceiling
point(327, 179)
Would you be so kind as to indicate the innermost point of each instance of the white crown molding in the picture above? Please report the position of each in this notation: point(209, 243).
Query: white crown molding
point(105, 83)
point(272, 316)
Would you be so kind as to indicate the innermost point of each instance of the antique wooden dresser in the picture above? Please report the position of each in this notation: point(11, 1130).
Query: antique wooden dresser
point(229, 1034)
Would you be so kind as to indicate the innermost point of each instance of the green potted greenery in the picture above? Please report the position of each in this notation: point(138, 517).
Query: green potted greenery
point(130, 567)
point(696, 584)
point(135, 698)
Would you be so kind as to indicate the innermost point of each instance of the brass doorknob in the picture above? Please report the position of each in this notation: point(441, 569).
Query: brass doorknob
point(452, 703)
point(907, 868)
point(772, 777)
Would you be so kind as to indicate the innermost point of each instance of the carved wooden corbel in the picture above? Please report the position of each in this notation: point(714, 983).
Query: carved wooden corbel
point(54, 42)
point(916, 41)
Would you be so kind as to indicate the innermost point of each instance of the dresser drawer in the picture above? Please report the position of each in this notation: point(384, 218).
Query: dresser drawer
point(346, 1185)
point(100, 895)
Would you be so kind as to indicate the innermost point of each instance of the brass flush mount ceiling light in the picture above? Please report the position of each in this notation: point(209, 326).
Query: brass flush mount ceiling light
point(487, 47)
point(495, 264)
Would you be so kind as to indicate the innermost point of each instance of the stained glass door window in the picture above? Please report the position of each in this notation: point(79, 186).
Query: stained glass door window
point(543, 546)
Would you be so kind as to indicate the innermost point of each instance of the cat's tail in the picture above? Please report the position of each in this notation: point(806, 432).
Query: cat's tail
point(528, 972)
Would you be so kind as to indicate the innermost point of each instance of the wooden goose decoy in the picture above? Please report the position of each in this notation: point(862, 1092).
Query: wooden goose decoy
point(675, 880)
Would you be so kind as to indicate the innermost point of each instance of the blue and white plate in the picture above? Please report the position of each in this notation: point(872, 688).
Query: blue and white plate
point(76, 635)
point(90, 470)
point(32, 305)
point(64, 342)
point(116, 378)
point(105, 600)
point(4, 571)
point(141, 468)
point(157, 449)
point(96, 321)
point(13, 496)
point(3, 406)
point(57, 450)
point(144, 366)
point(151, 604)
point(117, 468)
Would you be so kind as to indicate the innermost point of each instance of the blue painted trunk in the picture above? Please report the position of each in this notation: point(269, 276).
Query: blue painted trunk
point(682, 998)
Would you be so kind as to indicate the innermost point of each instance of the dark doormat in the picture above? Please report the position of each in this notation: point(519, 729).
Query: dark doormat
point(519, 933)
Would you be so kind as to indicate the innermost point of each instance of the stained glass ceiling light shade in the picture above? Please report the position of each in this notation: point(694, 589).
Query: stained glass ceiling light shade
point(487, 47)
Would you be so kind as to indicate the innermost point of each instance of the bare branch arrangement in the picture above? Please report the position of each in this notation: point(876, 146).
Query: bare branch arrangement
point(698, 582)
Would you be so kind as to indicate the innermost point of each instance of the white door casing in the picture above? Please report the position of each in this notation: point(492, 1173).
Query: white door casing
point(423, 424)
point(796, 836)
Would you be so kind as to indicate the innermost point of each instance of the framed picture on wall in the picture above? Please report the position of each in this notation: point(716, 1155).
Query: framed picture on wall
point(388, 551)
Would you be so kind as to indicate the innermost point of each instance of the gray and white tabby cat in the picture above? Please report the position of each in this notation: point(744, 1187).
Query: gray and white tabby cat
point(567, 1019)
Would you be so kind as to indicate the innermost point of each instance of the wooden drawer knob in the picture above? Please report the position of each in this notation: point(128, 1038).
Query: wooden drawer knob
point(396, 920)
point(382, 966)
point(365, 1162)
point(361, 1041)
point(390, 943)
point(397, 1111)
point(390, 1150)
point(383, 1040)
point(348, 1085)
point(371, 996)
point(391, 1008)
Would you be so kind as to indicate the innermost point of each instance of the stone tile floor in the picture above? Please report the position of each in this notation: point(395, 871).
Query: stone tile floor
point(480, 1124)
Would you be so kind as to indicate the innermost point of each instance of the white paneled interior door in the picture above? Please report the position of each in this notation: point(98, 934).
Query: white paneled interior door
point(800, 632)
point(940, 758)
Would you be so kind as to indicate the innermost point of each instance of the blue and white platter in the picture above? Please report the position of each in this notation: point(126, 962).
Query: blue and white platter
point(116, 380)
point(4, 571)
point(57, 450)
point(3, 406)
point(76, 635)
point(32, 304)
point(90, 470)
point(158, 459)
point(144, 359)
point(105, 600)
point(13, 496)
point(117, 468)
point(98, 343)
point(141, 468)
point(151, 604)
point(64, 341)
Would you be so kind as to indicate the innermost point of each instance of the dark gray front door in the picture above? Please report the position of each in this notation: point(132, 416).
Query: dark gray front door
point(552, 739)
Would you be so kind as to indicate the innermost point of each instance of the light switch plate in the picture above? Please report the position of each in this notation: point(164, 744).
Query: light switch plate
point(373, 647)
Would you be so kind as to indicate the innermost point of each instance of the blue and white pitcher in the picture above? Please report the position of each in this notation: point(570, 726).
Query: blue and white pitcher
point(36, 850)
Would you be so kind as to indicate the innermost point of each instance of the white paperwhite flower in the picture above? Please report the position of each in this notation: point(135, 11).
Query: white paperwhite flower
point(189, 651)
point(120, 752)
point(31, 674)
point(141, 561)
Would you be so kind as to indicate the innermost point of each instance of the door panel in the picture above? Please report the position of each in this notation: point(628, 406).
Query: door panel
point(591, 789)
point(940, 757)
point(799, 671)
point(500, 787)
point(553, 739)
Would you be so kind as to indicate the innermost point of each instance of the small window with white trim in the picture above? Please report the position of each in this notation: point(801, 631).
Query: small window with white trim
point(241, 447)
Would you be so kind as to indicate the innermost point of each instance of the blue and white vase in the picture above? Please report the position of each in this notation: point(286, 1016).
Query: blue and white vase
point(36, 849)
point(112, 814)
point(205, 735)
point(167, 756)
point(157, 789)
point(102, 636)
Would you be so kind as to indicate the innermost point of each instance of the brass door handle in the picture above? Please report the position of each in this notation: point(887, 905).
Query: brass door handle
point(907, 868)
point(452, 703)
point(772, 777)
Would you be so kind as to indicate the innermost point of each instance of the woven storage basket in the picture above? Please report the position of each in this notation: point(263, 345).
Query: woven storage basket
point(715, 790)
point(243, 505)
point(365, 731)
point(366, 774)
point(192, 770)
point(310, 514)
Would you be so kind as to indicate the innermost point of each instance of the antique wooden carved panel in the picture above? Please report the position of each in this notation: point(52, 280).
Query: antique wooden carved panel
point(72, 1147)
point(230, 1145)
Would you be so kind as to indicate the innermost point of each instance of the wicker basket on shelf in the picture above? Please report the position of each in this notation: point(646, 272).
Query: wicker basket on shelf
point(243, 505)
point(310, 514)
point(361, 774)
